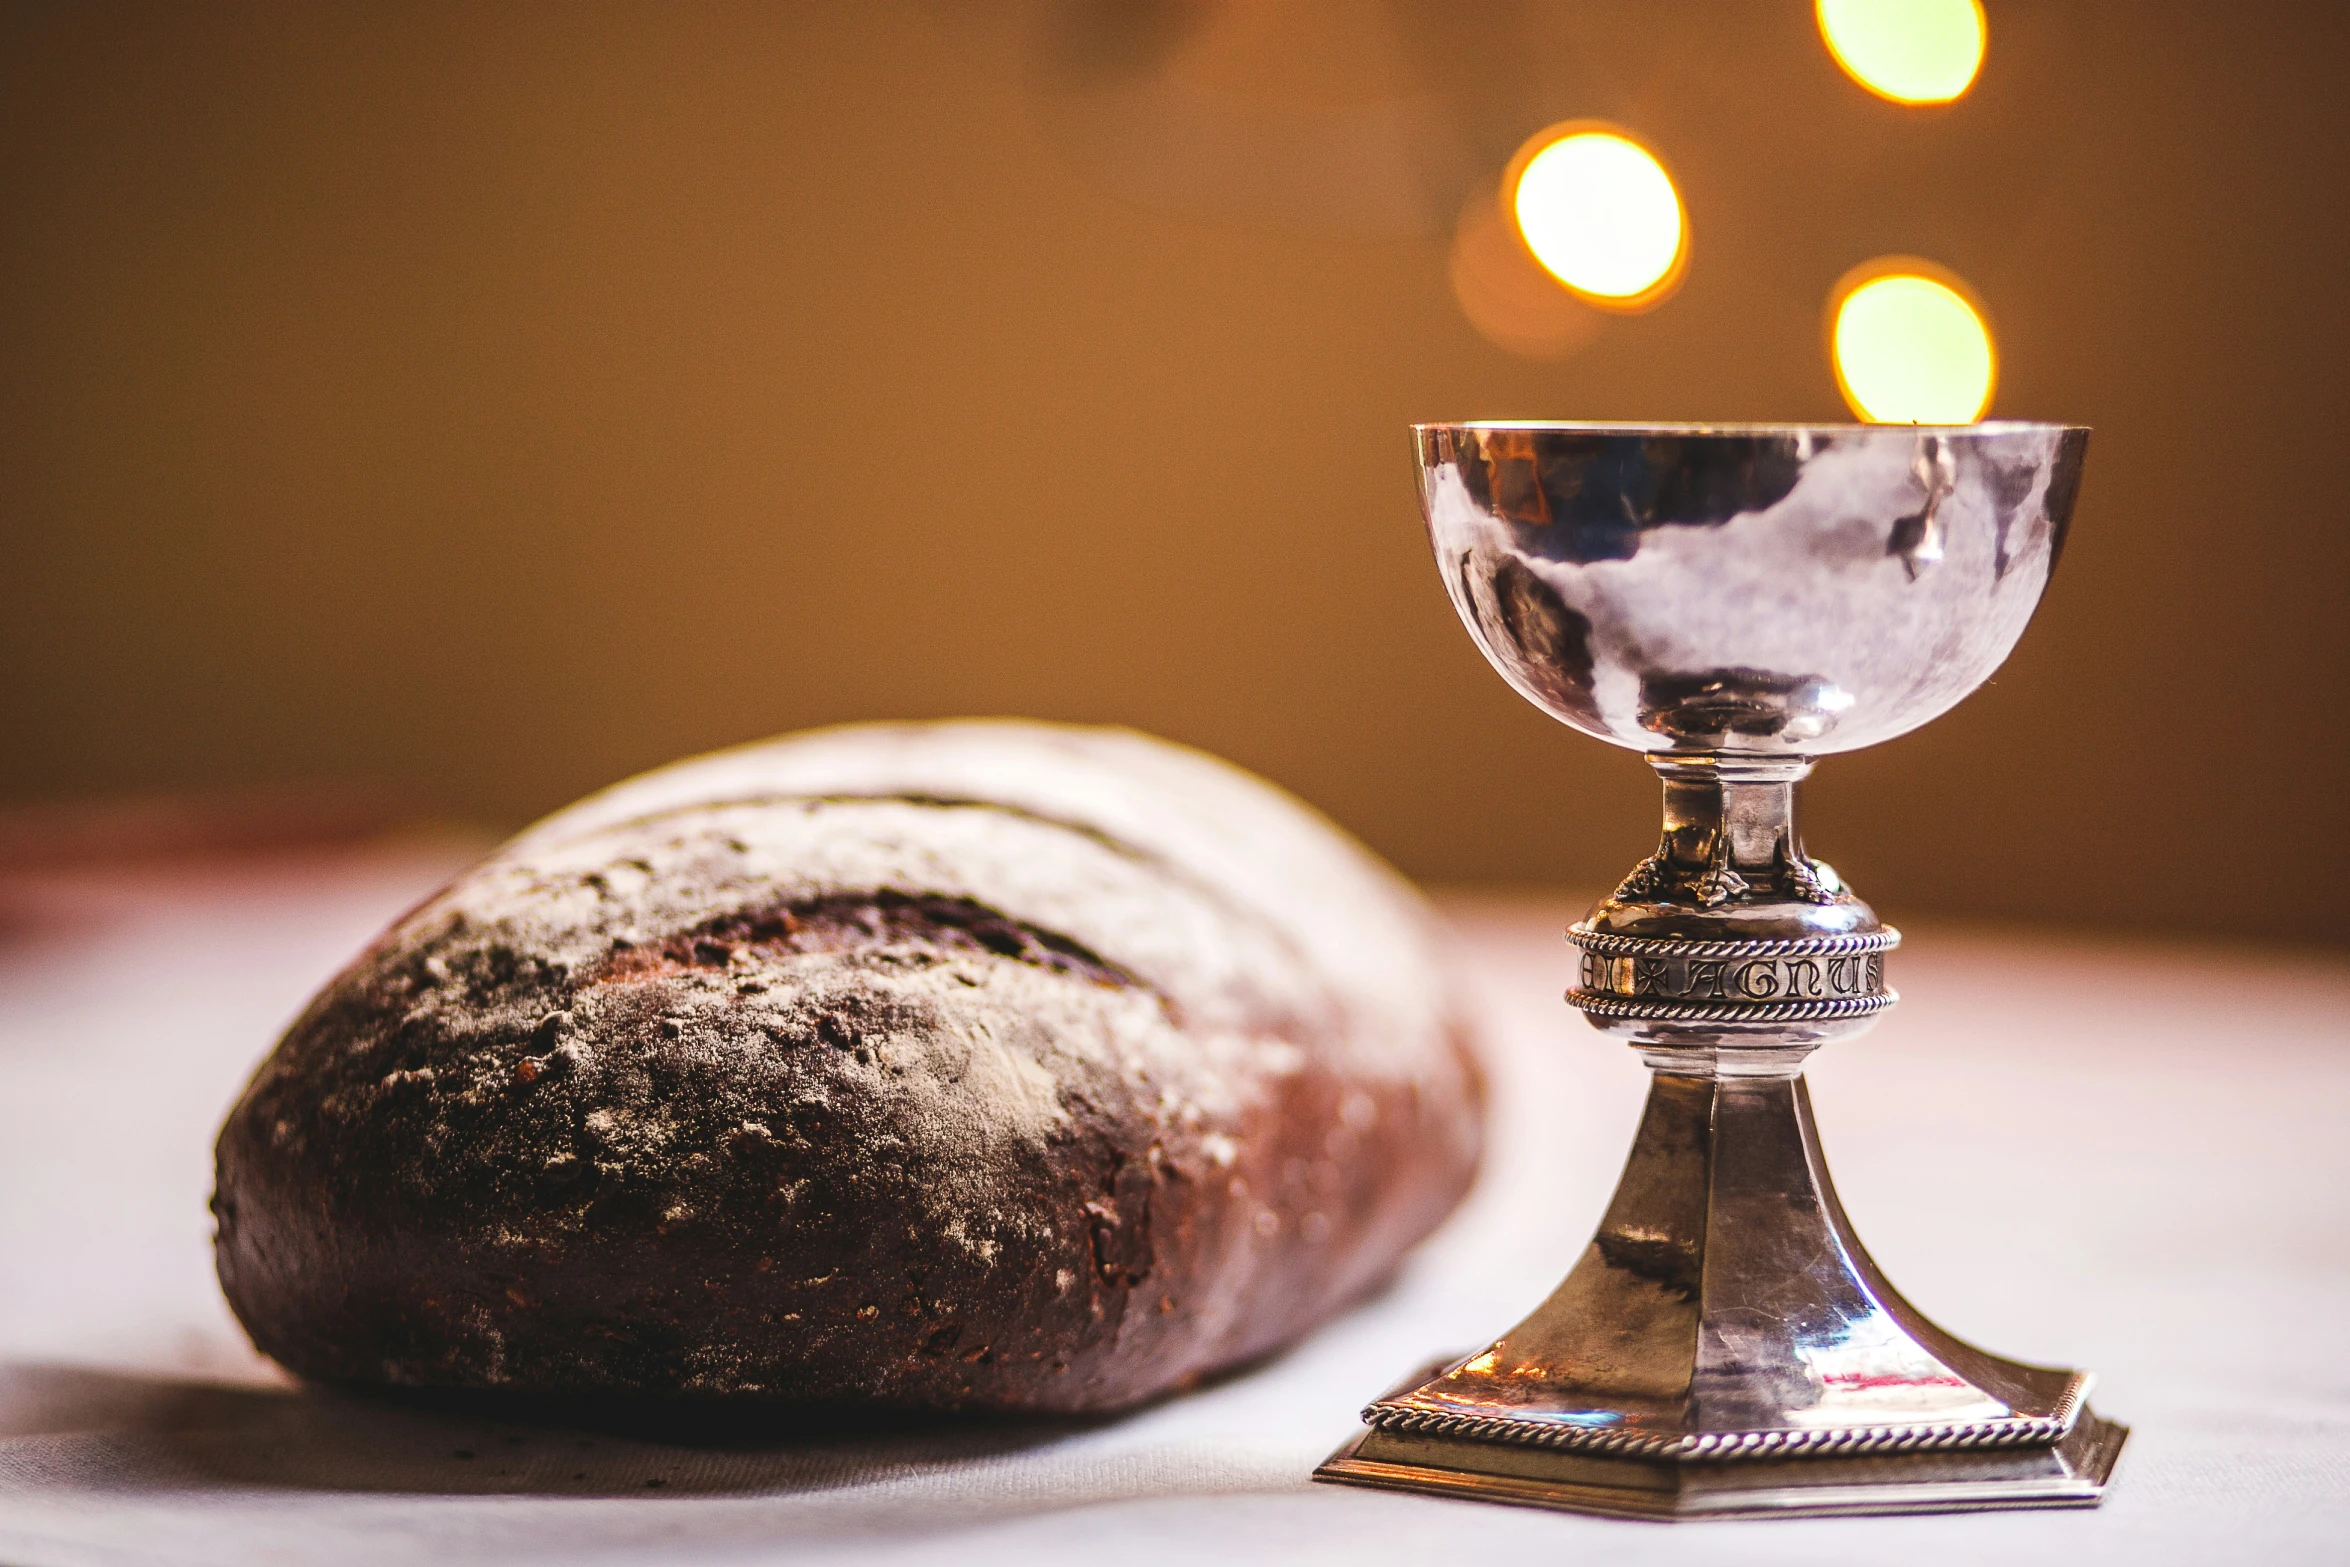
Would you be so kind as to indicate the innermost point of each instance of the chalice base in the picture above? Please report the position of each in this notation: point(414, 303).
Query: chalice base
point(1725, 1348)
point(2071, 1473)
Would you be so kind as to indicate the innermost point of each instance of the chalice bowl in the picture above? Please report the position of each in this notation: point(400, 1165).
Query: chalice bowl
point(1734, 602)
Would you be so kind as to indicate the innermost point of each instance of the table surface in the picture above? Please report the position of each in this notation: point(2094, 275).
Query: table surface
point(2131, 1157)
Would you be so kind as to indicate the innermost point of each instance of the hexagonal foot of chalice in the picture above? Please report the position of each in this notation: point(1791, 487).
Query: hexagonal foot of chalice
point(1733, 603)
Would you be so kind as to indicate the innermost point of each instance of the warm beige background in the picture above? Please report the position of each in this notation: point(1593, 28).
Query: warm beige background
point(489, 401)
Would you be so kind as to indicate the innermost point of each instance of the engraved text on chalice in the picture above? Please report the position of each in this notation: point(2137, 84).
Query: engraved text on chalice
point(1736, 979)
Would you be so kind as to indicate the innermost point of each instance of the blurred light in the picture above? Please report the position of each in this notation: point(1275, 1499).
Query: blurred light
point(1910, 348)
point(1911, 51)
point(1600, 214)
point(1512, 302)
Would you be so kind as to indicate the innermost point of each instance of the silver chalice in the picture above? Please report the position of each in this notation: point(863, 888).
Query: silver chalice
point(1734, 602)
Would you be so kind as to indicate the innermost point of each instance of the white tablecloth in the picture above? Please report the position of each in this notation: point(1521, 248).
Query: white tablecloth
point(2130, 1157)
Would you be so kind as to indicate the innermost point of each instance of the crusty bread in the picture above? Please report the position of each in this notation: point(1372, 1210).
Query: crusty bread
point(979, 1065)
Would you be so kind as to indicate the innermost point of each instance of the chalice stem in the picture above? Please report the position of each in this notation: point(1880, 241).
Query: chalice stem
point(1726, 1290)
point(1729, 830)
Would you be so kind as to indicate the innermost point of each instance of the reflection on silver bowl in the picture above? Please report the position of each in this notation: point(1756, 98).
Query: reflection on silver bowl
point(1773, 590)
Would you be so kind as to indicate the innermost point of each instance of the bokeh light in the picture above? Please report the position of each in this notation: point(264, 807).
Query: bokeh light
point(1600, 213)
point(1909, 346)
point(1911, 51)
point(1506, 295)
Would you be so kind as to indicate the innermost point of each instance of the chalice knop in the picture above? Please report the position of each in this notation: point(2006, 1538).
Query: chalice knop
point(1734, 602)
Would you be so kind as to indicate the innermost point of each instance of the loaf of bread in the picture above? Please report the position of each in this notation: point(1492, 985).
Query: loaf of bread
point(978, 1065)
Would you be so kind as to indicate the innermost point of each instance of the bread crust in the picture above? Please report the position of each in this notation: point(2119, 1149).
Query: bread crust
point(985, 1066)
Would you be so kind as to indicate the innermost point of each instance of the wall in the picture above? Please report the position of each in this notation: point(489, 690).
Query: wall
point(490, 401)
